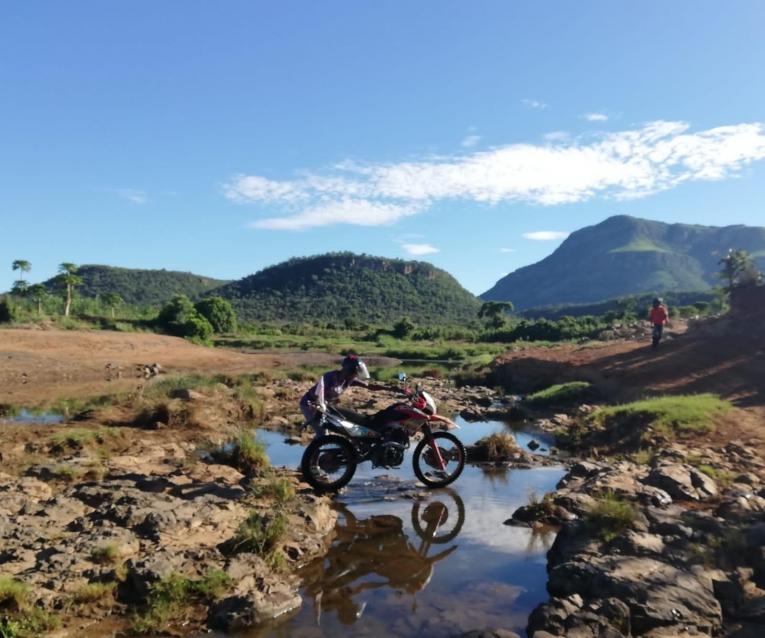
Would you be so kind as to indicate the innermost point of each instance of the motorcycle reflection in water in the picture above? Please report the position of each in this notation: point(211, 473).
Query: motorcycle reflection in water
point(376, 552)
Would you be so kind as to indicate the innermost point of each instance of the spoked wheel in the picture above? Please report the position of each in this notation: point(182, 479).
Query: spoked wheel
point(329, 463)
point(440, 521)
point(438, 459)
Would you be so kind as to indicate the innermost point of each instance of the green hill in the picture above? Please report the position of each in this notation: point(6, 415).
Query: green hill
point(625, 256)
point(337, 286)
point(140, 287)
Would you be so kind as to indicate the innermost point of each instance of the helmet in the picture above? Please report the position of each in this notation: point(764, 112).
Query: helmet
point(657, 302)
point(353, 365)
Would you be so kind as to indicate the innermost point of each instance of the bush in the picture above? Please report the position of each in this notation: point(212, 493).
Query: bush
point(611, 516)
point(7, 310)
point(180, 318)
point(260, 533)
point(219, 312)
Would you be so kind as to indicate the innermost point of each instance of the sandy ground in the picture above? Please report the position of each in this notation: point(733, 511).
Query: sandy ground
point(37, 366)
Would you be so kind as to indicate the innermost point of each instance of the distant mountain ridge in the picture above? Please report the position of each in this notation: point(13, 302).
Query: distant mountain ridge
point(140, 286)
point(339, 286)
point(626, 255)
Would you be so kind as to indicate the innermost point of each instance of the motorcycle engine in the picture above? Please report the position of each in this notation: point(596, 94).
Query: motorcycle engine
point(389, 454)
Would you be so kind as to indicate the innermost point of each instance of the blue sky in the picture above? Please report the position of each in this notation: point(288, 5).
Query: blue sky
point(223, 137)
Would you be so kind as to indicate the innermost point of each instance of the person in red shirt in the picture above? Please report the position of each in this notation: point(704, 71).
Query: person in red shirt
point(658, 317)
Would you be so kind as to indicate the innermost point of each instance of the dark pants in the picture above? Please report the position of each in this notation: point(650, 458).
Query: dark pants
point(658, 329)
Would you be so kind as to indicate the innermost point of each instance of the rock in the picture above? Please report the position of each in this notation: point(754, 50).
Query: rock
point(533, 445)
point(682, 482)
point(490, 633)
point(639, 543)
point(254, 607)
point(187, 395)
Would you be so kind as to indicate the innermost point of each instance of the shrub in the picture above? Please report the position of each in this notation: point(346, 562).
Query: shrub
point(611, 516)
point(245, 453)
point(260, 533)
point(219, 312)
point(179, 317)
point(105, 554)
point(92, 592)
point(280, 489)
point(495, 447)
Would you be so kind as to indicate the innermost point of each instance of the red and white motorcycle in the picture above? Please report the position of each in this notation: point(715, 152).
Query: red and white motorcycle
point(329, 462)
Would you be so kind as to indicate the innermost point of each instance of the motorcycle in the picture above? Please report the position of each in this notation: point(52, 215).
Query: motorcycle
point(330, 460)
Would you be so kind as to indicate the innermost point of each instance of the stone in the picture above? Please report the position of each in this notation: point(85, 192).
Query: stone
point(682, 482)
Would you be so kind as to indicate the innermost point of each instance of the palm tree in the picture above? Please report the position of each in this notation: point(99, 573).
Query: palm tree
point(38, 292)
point(68, 279)
point(22, 265)
point(112, 300)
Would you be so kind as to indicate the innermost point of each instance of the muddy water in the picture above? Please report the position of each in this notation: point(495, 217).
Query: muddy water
point(439, 564)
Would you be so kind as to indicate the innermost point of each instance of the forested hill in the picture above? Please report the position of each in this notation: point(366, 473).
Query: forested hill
point(140, 287)
point(623, 256)
point(339, 286)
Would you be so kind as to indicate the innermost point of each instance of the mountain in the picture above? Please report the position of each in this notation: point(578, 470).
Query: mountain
point(140, 287)
point(625, 255)
point(339, 286)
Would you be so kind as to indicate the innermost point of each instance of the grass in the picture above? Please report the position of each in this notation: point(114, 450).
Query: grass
point(105, 554)
point(643, 457)
point(260, 533)
point(64, 472)
point(246, 454)
point(279, 489)
point(639, 245)
point(559, 393)
point(611, 516)
point(722, 477)
point(78, 438)
point(92, 593)
point(670, 415)
point(170, 598)
point(20, 618)
point(497, 447)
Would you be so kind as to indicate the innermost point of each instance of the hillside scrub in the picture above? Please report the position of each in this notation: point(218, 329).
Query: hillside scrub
point(669, 415)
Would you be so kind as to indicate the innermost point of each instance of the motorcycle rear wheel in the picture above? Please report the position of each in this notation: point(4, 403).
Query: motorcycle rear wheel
point(310, 465)
point(420, 463)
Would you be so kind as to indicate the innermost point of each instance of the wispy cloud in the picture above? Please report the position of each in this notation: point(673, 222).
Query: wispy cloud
point(622, 165)
point(471, 140)
point(507, 250)
point(546, 235)
point(534, 104)
point(595, 117)
point(131, 195)
point(417, 250)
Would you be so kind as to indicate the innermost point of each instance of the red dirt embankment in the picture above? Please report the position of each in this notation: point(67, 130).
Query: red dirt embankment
point(41, 365)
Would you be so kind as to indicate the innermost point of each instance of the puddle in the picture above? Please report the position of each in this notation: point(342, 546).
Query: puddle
point(430, 563)
point(28, 417)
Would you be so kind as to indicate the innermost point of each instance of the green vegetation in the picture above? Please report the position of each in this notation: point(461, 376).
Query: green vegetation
point(179, 317)
point(279, 489)
point(738, 268)
point(170, 599)
point(92, 592)
point(496, 447)
point(352, 290)
point(218, 312)
point(260, 533)
point(639, 245)
point(78, 438)
point(140, 287)
point(105, 554)
point(669, 415)
point(19, 617)
point(560, 393)
point(611, 516)
point(722, 477)
point(245, 453)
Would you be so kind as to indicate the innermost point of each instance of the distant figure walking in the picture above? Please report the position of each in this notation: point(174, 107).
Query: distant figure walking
point(658, 317)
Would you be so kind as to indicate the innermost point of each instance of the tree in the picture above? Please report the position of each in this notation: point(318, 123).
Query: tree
point(112, 300)
point(219, 312)
point(68, 279)
point(179, 317)
point(22, 265)
point(739, 269)
point(495, 311)
point(403, 328)
point(20, 288)
point(38, 292)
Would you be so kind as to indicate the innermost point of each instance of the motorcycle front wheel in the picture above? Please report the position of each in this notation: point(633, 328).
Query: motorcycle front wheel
point(425, 460)
point(329, 463)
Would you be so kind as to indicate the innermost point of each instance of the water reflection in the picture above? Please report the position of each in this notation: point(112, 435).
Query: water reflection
point(376, 552)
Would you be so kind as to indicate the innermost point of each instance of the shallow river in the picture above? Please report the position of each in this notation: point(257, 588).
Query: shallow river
point(438, 567)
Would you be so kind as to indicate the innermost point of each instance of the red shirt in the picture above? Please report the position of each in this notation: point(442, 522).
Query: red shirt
point(659, 315)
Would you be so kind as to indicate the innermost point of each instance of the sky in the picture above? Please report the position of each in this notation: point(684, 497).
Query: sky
point(223, 137)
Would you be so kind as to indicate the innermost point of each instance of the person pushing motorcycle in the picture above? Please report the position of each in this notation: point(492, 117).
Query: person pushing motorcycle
point(353, 372)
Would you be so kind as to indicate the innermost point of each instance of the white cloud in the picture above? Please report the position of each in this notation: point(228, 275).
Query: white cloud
point(507, 250)
point(546, 235)
point(132, 196)
point(534, 104)
point(419, 249)
point(617, 165)
point(347, 211)
point(471, 140)
point(595, 117)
